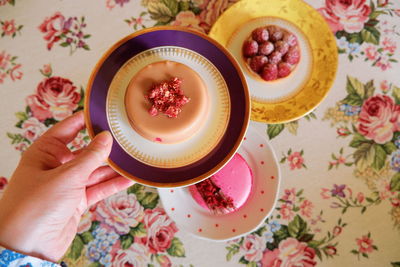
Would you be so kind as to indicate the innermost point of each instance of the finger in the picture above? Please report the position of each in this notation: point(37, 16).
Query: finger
point(77, 152)
point(101, 174)
point(91, 157)
point(47, 153)
point(66, 130)
point(105, 189)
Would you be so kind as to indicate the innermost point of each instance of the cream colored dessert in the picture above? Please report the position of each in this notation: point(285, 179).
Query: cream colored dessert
point(161, 128)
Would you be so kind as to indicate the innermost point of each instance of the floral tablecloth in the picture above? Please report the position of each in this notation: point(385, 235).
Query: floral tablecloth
point(340, 197)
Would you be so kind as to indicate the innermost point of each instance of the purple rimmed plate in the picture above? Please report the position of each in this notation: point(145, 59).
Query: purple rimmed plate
point(134, 44)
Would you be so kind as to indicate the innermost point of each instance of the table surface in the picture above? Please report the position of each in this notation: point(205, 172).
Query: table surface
point(339, 199)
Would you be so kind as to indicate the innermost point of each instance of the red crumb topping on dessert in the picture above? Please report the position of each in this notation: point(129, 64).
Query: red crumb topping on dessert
point(214, 198)
point(167, 98)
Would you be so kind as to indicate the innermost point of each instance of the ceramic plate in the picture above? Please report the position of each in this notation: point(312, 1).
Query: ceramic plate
point(183, 209)
point(286, 99)
point(223, 72)
point(188, 151)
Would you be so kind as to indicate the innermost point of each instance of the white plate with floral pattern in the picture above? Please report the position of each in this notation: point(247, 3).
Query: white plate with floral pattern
point(189, 216)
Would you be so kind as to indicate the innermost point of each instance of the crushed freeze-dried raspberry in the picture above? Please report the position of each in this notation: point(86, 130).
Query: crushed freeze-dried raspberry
point(214, 198)
point(167, 98)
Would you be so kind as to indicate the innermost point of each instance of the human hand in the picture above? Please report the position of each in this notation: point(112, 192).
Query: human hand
point(51, 189)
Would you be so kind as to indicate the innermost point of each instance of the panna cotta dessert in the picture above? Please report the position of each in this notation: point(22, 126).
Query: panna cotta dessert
point(167, 102)
point(227, 190)
point(271, 52)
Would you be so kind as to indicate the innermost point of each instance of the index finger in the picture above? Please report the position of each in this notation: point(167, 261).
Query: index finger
point(67, 130)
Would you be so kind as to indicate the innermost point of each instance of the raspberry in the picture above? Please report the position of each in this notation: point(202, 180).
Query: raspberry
point(257, 62)
point(266, 48)
point(250, 48)
point(275, 33)
point(275, 57)
point(284, 69)
point(260, 35)
point(282, 47)
point(293, 56)
point(289, 38)
point(269, 72)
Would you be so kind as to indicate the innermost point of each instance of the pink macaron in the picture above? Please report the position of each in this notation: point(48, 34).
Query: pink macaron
point(227, 190)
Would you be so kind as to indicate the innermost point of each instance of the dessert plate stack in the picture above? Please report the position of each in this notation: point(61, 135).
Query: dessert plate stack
point(204, 153)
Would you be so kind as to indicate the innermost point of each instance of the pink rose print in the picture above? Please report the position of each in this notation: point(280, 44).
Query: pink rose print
point(21, 147)
point(343, 131)
point(120, 211)
point(8, 27)
point(2, 77)
point(69, 31)
point(16, 73)
point(347, 15)
point(289, 195)
point(46, 70)
point(135, 255)
point(330, 250)
point(336, 230)
point(8, 67)
point(383, 187)
point(253, 247)
point(52, 26)
point(85, 223)
point(365, 244)
point(306, 208)
point(286, 212)
point(110, 4)
point(79, 141)
point(383, 63)
point(382, 2)
point(4, 2)
point(371, 52)
point(4, 59)
point(325, 193)
point(395, 202)
point(55, 97)
point(160, 230)
point(187, 19)
point(296, 160)
point(290, 253)
point(33, 128)
point(385, 86)
point(360, 197)
point(389, 45)
point(379, 118)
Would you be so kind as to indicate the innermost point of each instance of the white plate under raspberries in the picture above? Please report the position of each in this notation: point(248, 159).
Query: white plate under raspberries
point(280, 88)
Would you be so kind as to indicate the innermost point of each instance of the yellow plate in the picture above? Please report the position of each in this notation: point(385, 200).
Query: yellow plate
point(322, 55)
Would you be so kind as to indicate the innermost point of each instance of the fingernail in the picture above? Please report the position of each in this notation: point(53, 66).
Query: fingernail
point(103, 138)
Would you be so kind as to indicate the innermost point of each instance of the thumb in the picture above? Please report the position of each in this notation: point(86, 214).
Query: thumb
point(92, 156)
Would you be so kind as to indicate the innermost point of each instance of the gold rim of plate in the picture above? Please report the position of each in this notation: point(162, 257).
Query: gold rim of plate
point(321, 41)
